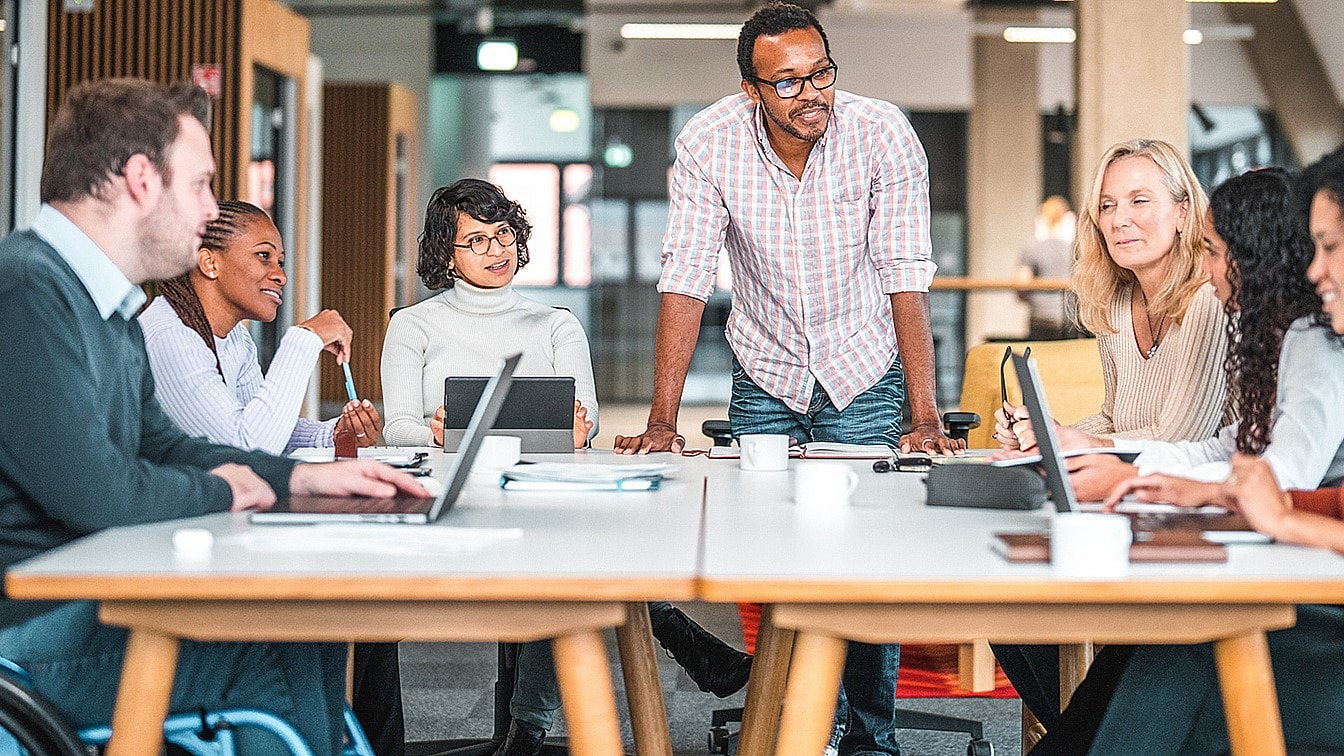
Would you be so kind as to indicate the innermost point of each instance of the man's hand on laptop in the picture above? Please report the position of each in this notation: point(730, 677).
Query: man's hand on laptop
point(357, 477)
point(1095, 475)
point(249, 490)
point(657, 437)
point(1164, 489)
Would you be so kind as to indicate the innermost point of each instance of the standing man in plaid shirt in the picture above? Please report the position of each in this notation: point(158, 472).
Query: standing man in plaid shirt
point(821, 200)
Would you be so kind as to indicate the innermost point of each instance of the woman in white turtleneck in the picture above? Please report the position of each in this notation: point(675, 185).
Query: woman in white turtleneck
point(474, 242)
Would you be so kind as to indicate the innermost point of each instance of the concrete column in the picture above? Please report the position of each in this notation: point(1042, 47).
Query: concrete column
point(1132, 77)
point(1004, 167)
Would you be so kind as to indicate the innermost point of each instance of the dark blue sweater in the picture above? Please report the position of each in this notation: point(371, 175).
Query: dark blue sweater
point(83, 443)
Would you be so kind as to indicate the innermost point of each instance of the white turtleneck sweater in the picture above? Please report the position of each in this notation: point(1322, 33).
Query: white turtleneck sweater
point(465, 330)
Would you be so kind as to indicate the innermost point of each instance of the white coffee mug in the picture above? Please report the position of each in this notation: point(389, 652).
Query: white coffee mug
point(497, 453)
point(764, 452)
point(1090, 544)
point(823, 484)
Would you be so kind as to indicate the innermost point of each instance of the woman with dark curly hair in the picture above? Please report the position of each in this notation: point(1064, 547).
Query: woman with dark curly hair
point(474, 242)
point(1286, 369)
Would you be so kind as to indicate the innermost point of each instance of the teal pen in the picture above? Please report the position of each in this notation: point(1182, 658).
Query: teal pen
point(349, 382)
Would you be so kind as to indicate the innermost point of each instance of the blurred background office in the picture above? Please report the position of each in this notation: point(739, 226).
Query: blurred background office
point(341, 116)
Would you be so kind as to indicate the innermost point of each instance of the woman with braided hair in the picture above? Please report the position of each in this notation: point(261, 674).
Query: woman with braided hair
point(205, 363)
point(208, 380)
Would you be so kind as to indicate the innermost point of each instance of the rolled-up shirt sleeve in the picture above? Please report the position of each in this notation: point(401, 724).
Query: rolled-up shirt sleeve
point(898, 234)
point(697, 224)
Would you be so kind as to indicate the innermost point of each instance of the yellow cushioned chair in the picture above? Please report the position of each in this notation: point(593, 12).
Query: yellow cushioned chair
point(1070, 371)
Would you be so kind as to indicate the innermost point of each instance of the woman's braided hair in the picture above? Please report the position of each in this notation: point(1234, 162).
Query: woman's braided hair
point(234, 217)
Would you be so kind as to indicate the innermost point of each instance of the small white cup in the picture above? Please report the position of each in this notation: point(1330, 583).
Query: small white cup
point(823, 485)
point(496, 454)
point(764, 452)
point(1090, 544)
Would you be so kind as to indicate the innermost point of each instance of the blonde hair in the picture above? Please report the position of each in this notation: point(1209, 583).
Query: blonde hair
point(1097, 280)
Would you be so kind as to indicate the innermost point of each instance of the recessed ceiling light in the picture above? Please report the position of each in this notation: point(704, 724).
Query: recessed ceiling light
point(680, 31)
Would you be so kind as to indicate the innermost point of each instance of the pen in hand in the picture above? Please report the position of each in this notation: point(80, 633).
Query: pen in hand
point(349, 383)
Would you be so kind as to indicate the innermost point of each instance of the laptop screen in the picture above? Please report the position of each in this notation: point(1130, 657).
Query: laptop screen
point(533, 403)
point(487, 409)
point(1056, 474)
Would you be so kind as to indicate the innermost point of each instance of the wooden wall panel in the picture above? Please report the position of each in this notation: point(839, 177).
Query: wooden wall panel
point(356, 241)
point(158, 40)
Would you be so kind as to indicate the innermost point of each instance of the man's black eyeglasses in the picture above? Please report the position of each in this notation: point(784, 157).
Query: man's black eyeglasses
point(790, 88)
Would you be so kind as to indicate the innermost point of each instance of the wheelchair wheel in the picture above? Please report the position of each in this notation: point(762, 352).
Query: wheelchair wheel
point(34, 724)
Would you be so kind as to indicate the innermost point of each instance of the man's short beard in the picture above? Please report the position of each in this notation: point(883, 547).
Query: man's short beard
point(791, 131)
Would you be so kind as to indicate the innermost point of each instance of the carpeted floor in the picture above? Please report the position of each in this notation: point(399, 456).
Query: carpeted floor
point(447, 689)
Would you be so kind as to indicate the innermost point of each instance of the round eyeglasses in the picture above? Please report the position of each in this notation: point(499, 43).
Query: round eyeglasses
point(789, 88)
point(480, 244)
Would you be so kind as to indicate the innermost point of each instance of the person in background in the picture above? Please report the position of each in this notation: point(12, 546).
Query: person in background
point(474, 242)
point(126, 193)
point(1050, 255)
point(208, 380)
point(1167, 700)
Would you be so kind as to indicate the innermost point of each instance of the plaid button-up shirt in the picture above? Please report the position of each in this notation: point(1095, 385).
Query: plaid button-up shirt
point(813, 260)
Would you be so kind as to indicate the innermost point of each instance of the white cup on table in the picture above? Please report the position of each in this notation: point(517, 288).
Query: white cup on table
point(496, 454)
point(764, 452)
point(1090, 544)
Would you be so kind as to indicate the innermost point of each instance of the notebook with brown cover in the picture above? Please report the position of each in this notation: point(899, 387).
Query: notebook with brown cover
point(1148, 546)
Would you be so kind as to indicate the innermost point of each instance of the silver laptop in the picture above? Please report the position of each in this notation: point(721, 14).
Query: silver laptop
point(537, 409)
point(297, 510)
point(1061, 488)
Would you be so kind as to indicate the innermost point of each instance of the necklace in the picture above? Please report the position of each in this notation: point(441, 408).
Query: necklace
point(1152, 332)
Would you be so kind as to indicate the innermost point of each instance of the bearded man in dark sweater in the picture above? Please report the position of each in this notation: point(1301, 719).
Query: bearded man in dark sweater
point(84, 445)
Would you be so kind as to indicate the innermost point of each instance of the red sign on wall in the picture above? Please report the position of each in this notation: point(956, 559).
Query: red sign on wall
point(207, 77)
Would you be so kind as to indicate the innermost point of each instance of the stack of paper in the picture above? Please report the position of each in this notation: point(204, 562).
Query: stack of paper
point(572, 476)
point(816, 450)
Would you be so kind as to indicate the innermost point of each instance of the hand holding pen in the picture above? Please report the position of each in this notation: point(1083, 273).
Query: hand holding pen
point(358, 415)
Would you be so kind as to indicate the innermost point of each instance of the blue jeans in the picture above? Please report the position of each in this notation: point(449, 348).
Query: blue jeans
point(76, 663)
point(866, 708)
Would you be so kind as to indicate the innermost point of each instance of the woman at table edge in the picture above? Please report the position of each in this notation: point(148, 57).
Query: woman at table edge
point(208, 380)
point(1167, 699)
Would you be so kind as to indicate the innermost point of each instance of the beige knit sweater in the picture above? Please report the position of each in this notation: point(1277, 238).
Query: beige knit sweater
point(1178, 395)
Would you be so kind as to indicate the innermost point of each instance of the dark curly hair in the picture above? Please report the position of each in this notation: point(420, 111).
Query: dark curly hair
point(481, 200)
point(771, 21)
point(1268, 254)
point(1324, 175)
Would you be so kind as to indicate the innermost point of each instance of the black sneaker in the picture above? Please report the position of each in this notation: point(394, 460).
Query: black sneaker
point(523, 740)
point(713, 665)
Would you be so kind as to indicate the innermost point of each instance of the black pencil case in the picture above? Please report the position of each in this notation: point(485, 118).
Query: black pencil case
point(985, 486)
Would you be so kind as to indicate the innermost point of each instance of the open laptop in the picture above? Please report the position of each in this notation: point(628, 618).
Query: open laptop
point(1061, 488)
point(303, 510)
point(537, 409)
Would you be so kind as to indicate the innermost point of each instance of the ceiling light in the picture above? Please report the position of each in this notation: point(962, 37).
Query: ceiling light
point(680, 31)
point(1040, 34)
point(497, 55)
point(1192, 36)
point(564, 120)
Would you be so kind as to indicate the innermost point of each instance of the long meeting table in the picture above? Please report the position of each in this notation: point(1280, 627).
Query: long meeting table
point(566, 566)
point(500, 566)
point(890, 569)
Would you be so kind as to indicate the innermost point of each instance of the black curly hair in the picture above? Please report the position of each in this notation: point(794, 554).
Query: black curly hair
point(481, 200)
point(1268, 253)
point(771, 21)
point(1324, 175)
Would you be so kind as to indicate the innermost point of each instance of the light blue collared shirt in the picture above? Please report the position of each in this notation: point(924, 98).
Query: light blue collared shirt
point(109, 288)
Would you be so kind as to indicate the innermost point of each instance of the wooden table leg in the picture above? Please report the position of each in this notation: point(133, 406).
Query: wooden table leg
point(586, 693)
point(143, 694)
point(643, 691)
point(809, 700)
point(1074, 659)
point(765, 687)
point(1249, 698)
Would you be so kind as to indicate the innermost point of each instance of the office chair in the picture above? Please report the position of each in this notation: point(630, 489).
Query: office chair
point(30, 724)
point(723, 740)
